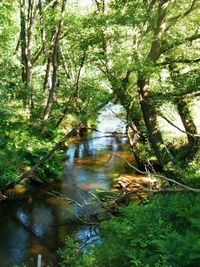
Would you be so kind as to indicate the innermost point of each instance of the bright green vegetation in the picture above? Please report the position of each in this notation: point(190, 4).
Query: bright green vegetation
point(61, 63)
point(44, 91)
point(164, 232)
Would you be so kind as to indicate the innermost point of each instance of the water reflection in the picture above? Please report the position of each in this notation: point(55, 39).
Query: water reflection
point(36, 222)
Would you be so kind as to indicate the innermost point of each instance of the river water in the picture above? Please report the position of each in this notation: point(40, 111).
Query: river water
point(33, 221)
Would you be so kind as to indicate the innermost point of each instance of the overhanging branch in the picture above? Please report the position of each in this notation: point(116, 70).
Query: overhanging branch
point(28, 174)
point(191, 8)
point(183, 41)
point(178, 128)
point(181, 60)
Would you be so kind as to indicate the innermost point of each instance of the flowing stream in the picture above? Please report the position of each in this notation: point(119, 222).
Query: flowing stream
point(35, 222)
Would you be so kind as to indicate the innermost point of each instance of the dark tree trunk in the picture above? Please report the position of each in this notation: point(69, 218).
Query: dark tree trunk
point(146, 100)
point(26, 49)
point(77, 83)
point(185, 113)
point(47, 80)
point(150, 119)
point(52, 90)
point(189, 124)
point(23, 39)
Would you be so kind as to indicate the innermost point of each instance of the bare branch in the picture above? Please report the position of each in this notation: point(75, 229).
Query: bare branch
point(46, 7)
point(98, 5)
point(183, 41)
point(161, 190)
point(182, 15)
point(84, 203)
point(184, 61)
point(25, 176)
point(38, 53)
point(158, 175)
point(18, 44)
point(170, 122)
point(152, 4)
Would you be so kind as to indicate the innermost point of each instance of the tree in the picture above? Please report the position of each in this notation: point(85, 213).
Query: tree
point(28, 12)
point(54, 59)
point(150, 29)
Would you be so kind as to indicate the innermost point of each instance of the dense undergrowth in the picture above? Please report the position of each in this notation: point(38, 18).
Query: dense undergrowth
point(164, 232)
point(22, 144)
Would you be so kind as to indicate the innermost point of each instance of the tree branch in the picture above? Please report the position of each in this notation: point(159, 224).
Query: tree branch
point(170, 122)
point(175, 44)
point(186, 61)
point(46, 7)
point(183, 15)
point(25, 176)
point(38, 53)
point(157, 175)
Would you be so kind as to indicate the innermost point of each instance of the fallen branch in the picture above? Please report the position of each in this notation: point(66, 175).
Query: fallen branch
point(161, 190)
point(107, 132)
point(80, 205)
point(186, 188)
point(25, 176)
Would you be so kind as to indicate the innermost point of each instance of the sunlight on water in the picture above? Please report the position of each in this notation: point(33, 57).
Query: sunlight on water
point(109, 122)
point(34, 221)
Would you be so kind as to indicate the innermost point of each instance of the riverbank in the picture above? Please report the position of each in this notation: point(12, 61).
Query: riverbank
point(40, 221)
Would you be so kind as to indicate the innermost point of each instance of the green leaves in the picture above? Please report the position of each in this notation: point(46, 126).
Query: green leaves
point(164, 233)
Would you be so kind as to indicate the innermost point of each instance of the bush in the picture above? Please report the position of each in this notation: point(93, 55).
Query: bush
point(165, 232)
point(21, 146)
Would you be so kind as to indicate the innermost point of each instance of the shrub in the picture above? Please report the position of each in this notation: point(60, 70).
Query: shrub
point(165, 232)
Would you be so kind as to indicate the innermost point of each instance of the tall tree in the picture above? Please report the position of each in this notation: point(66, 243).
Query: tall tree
point(27, 17)
point(153, 24)
point(54, 59)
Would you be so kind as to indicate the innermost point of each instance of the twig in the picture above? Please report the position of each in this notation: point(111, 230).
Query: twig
point(170, 122)
point(124, 121)
point(85, 222)
point(161, 190)
point(158, 176)
point(128, 163)
point(100, 202)
point(72, 201)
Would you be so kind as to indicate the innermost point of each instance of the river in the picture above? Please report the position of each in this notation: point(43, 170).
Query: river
point(33, 221)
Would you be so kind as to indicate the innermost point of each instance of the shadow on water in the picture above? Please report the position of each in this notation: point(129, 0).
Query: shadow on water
point(34, 222)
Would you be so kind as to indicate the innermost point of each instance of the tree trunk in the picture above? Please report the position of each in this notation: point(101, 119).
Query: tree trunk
point(52, 90)
point(23, 39)
point(146, 100)
point(47, 80)
point(77, 83)
point(26, 49)
point(150, 119)
point(43, 33)
point(32, 15)
point(53, 83)
point(189, 125)
point(185, 113)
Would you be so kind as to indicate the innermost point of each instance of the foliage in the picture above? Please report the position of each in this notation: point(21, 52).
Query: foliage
point(24, 136)
point(22, 148)
point(191, 175)
point(143, 54)
point(164, 232)
point(70, 255)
